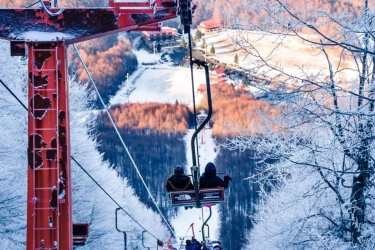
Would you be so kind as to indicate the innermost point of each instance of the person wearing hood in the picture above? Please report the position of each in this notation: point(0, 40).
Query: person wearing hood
point(209, 179)
point(178, 181)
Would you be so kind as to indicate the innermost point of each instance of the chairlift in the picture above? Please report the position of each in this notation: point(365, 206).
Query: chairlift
point(80, 233)
point(198, 197)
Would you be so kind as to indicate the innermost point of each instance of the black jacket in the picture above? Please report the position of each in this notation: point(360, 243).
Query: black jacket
point(178, 183)
point(210, 180)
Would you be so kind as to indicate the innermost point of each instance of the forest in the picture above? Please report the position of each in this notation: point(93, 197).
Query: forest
point(109, 59)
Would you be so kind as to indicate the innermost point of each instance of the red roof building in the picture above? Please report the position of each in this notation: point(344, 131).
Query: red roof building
point(165, 37)
point(164, 34)
point(210, 26)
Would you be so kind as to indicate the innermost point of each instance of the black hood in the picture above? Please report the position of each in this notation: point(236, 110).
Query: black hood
point(210, 170)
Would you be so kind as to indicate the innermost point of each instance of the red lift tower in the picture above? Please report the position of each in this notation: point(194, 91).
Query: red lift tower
point(46, 32)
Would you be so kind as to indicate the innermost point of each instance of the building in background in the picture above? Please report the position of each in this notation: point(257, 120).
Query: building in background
point(166, 37)
point(210, 26)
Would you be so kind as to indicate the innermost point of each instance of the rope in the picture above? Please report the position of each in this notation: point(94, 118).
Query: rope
point(122, 141)
point(84, 170)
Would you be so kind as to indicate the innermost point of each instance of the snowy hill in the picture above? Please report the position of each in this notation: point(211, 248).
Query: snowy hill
point(91, 205)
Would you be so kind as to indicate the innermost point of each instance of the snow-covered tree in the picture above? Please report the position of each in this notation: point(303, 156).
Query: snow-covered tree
point(235, 59)
point(183, 42)
point(13, 144)
point(204, 45)
point(90, 204)
point(198, 34)
point(323, 137)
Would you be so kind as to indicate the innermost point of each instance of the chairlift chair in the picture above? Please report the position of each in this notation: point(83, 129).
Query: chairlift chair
point(80, 233)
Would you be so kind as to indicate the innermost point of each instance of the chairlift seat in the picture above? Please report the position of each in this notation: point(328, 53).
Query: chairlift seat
point(206, 196)
point(80, 233)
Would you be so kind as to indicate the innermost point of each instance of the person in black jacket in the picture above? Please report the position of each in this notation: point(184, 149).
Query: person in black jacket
point(209, 179)
point(178, 181)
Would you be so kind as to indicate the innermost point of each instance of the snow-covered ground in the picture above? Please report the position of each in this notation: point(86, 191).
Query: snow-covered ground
point(159, 83)
point(293, 53)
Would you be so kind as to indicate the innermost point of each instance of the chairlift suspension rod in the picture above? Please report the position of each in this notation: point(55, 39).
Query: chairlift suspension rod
point(195, 168)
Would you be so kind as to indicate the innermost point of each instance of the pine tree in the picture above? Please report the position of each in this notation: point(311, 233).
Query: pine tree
point(236, 59)
point(179, 29)
point(244, 80)
point(203, 46)
point(183, 42)
point(198, 34)
point(158, 47)
point(192, 41)
point(212, 50)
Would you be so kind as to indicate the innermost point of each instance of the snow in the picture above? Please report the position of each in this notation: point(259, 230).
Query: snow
point(165, 83)
point(159, 83)
point(43, 36)
point(293, 53)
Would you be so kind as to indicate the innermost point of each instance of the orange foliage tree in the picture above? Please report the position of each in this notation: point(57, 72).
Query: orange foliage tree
point(235, 108)
point(162, 117)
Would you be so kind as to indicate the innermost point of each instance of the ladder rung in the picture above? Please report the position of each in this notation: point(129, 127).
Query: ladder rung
point(41, 169)
point(41, 129)
point(45, 228)
point(41, 89)
point(44, 109)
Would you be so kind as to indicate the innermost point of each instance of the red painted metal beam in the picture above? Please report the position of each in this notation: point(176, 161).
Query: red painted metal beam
point(77, 25)
point(49, 196)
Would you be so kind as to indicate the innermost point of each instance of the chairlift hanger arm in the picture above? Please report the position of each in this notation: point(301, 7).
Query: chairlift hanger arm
point(207, 119)
point(205, 224)
point(124, 232)
point(201, 126)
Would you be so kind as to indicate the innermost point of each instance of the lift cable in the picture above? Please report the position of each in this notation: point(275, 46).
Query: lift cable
point(114, 125)
point(31, 5)
point(92, 178)
point(122, 141)
point(84, 170)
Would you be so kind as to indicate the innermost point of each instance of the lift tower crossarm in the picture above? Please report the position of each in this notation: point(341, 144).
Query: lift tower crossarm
point(80, 24)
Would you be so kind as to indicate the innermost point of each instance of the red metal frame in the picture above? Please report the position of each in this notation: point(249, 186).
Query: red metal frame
point(49, 196)
point(49, 190)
